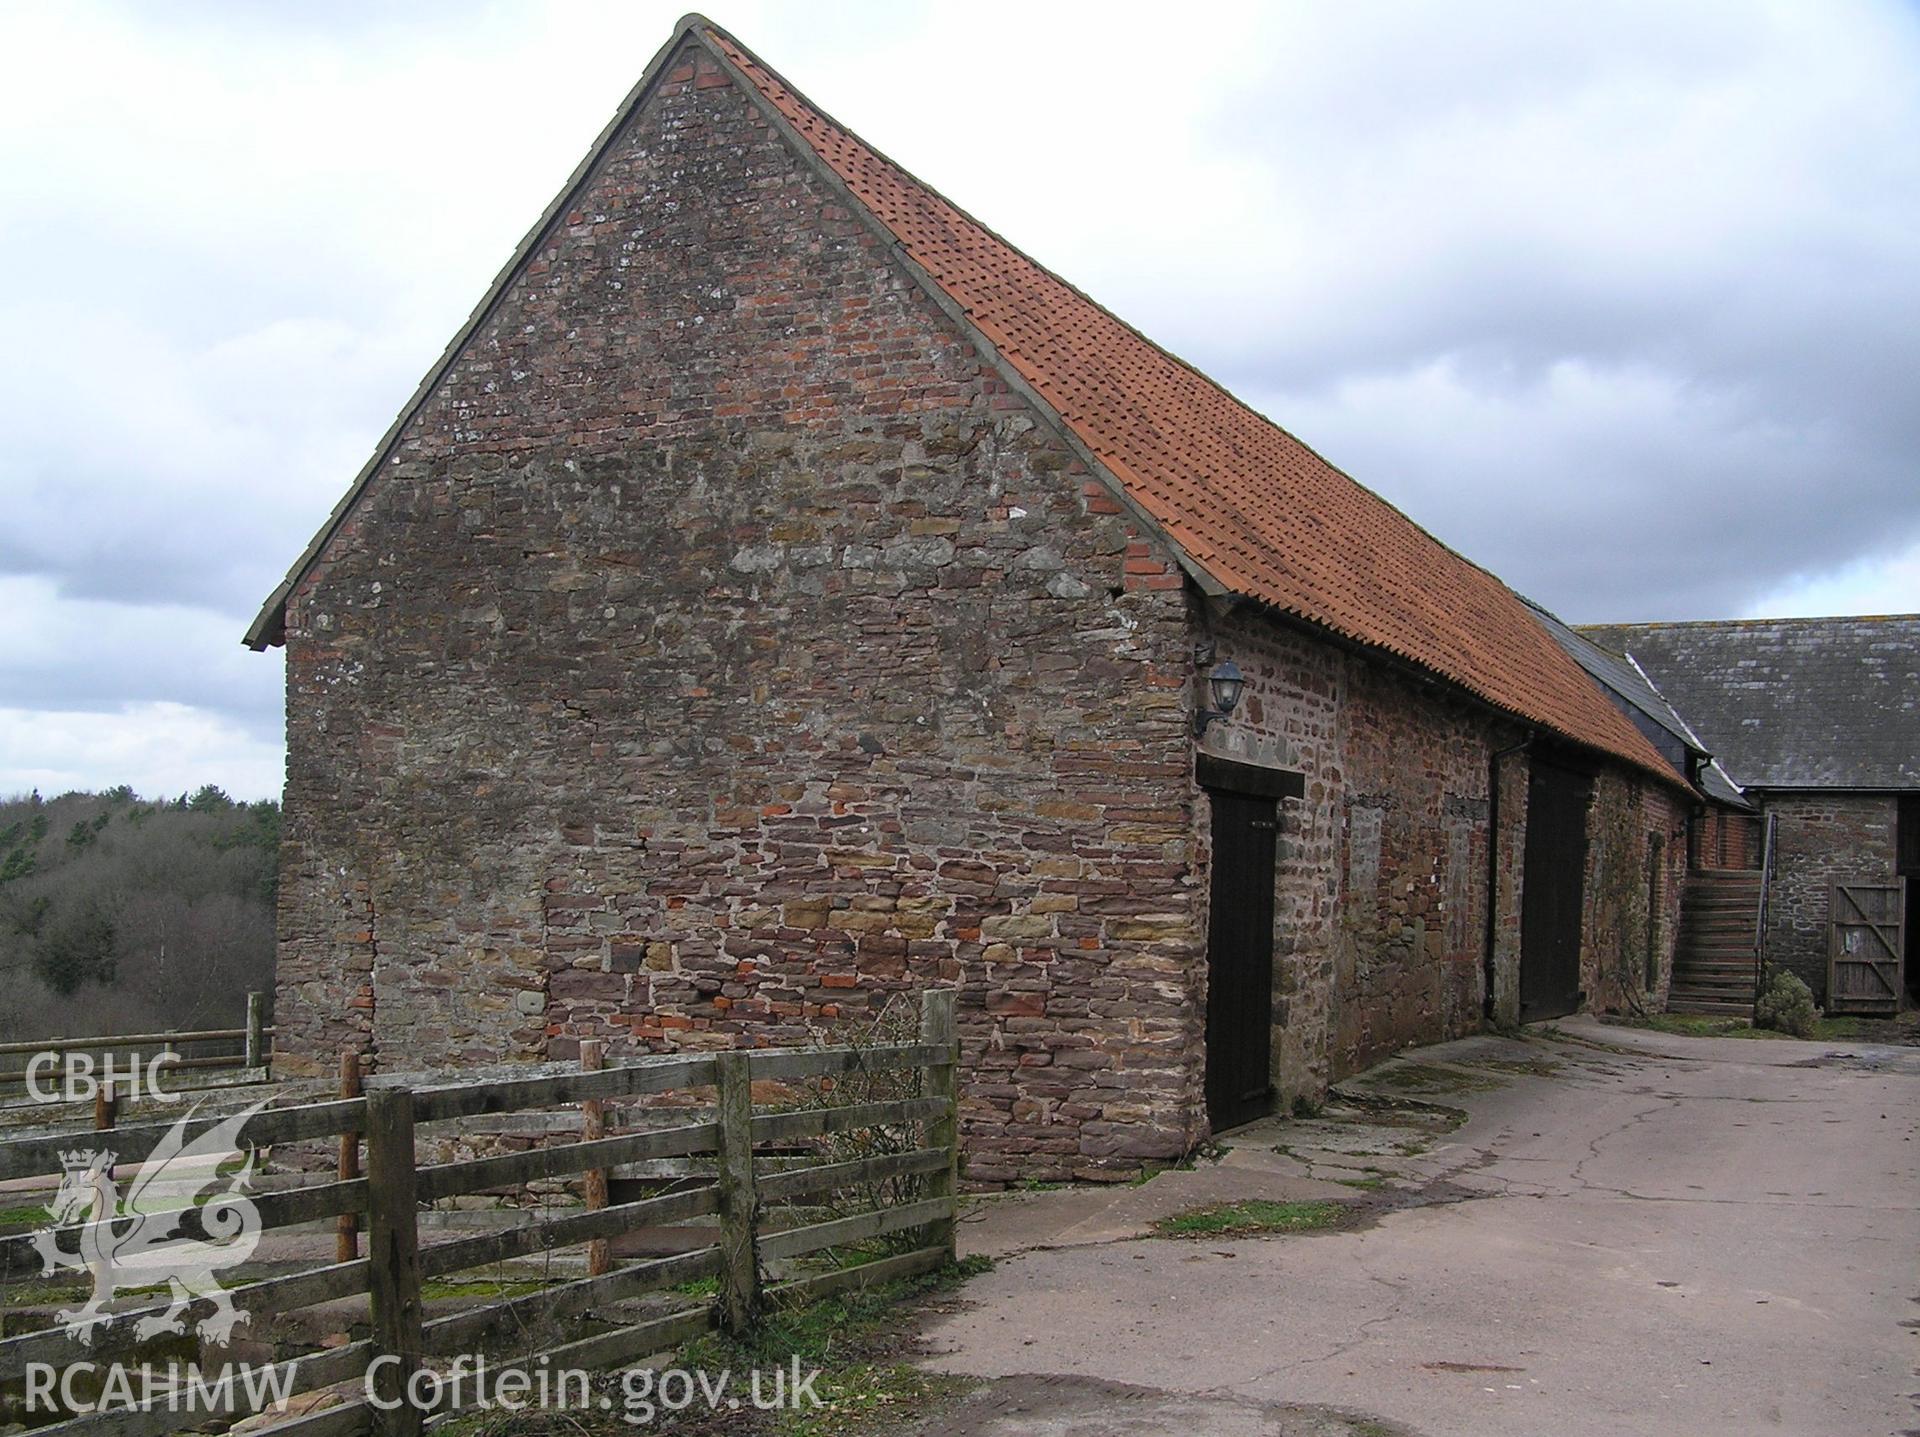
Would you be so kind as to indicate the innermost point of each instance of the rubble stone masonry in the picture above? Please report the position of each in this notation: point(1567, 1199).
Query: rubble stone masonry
point(725, 650)
point(1821, 839)
point(1380, 927)
point(1636, 873)
point(1381, 924)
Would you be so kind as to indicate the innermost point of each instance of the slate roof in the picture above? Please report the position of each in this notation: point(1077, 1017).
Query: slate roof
point(1637, 696)
point(1792, 703)
point(1250, 509)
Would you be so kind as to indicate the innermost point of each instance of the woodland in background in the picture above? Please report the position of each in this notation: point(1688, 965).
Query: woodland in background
point(119, 915)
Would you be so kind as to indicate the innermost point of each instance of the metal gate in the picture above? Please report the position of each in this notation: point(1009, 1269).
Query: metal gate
point(1553, 889)
point(1866, 936)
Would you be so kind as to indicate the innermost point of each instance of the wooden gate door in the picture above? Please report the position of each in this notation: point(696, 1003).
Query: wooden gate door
point(1865, 941)
point(1240, 959)
point(1552, 890)
point(1907, 864)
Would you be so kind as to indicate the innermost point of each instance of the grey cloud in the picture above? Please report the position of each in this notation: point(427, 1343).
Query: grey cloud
point(1619, 300)
point(1704, 215)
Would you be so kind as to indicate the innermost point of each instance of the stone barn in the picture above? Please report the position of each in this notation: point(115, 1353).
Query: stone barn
point(1819, 721)
point(784, 594)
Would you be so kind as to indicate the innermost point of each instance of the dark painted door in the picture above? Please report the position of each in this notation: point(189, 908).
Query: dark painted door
point(1552, 889)
point(1240, 959)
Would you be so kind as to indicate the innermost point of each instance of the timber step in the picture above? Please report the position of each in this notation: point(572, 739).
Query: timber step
point(1726, 989)
point(1713, 967)
point(1708, 1007)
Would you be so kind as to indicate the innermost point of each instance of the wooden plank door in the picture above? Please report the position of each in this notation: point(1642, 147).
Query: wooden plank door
point(1907, 865)
point(1552, 889)
point(1866, 941)
point(1240, 959)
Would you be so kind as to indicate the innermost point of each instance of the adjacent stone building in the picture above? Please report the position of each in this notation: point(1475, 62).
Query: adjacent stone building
point(785, 594)
point(1819, 721)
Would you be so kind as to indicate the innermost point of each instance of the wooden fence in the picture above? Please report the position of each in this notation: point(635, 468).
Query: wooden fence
point(759, 1178)
point(241, 1054)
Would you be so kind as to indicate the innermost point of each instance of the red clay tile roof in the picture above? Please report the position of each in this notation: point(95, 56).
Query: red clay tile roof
point(1250, 504)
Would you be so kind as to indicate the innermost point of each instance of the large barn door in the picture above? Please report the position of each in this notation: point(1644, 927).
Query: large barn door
point(1240, 959)
point(1864, 946)
point(1552, 890)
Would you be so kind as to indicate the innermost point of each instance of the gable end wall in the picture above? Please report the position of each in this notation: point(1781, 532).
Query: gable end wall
point(727, 650)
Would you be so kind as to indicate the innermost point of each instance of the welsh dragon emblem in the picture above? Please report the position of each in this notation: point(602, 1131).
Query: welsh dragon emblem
point(135, 1240)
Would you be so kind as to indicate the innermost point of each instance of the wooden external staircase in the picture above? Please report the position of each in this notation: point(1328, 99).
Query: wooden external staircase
point(1713, 964)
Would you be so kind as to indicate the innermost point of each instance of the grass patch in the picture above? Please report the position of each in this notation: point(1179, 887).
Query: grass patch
point(1254, 1218)
point(863, 1344)
point(26, 1218)
point(1422, 1079)
point(861, 1341)
point(482, 1287)
point(1364, 1184)
point(1520, 1067)
point(47, 1292)
point(1701, 1025)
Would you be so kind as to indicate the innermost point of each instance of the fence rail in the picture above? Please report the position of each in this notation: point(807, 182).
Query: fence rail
point(751, 1190)
point(250, 1046)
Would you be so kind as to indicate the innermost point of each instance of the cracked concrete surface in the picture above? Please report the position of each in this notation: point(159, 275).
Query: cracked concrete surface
point(1632, 1233)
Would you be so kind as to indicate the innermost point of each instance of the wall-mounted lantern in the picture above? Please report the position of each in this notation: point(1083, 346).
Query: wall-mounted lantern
point(1225, 683)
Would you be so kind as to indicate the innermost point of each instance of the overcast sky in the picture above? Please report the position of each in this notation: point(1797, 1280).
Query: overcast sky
point(1623, 301)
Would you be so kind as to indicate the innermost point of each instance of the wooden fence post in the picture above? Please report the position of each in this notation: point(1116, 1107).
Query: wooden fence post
point(346, 1242)
point(739, 1203)
point(937, 1026)
point(393, 1247)
point(103, 1106)
point(255, 1055)
point(593, 1125)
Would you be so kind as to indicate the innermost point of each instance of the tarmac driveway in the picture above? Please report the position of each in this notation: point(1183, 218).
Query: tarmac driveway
point(1631, 1233)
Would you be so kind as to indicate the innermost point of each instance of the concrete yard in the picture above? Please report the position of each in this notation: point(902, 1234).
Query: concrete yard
point(1632, 1233)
